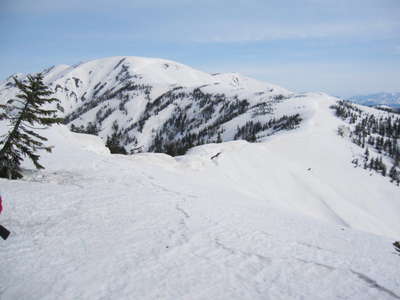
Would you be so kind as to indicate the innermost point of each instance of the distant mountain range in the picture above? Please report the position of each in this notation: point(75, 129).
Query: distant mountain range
point(378, 99)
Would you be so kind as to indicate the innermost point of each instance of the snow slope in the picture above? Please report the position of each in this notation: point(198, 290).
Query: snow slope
point(288, 218)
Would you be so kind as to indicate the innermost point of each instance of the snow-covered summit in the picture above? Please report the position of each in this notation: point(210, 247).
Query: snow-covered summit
point(159, 71)
point(153, 70)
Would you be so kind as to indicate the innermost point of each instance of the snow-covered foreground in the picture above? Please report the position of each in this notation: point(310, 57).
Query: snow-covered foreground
point(284, 219)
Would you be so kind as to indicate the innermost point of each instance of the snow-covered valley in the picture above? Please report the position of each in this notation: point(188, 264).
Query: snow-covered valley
point(288, 217)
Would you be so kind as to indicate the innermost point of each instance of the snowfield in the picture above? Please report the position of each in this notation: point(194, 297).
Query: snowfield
point(287, 218)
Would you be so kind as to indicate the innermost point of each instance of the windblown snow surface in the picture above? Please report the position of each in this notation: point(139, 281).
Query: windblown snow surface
point(287, 218)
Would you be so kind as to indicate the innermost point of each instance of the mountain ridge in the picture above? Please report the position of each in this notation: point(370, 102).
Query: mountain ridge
point(113, 97)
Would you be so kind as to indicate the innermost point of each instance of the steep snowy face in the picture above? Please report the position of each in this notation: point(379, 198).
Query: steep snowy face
point(147, 104)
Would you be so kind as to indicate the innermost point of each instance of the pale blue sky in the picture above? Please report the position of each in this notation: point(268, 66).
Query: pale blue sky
point(341, 47)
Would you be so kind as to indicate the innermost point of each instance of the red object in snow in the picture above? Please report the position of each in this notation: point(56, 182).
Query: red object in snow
point(1, 206)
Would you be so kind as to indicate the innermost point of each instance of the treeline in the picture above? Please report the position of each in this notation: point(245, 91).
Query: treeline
point(377, 134)
point(201, 120)
point(213, 134)
point(250, 130)
point(191, 117)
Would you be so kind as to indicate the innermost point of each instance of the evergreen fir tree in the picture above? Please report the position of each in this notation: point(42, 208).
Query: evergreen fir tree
point(397, 246)
point(383, 169)
point(366, 154)
point(393, 174)
point(113, 143)
point(219, 138)
point(24, 113)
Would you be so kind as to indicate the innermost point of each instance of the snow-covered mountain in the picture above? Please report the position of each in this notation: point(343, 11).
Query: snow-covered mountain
point(289, 217)
point(148, 104)
point(388, 99)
